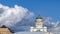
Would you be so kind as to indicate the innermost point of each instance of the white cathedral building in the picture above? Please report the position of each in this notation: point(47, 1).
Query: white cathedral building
point(39, 27)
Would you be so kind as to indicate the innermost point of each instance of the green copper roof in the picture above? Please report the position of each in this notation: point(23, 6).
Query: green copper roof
point(38, 17)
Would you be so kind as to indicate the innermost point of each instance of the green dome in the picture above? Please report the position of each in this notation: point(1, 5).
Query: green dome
point(38, 17)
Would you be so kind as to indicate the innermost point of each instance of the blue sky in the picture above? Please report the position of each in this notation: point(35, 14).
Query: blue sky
point(47, 8)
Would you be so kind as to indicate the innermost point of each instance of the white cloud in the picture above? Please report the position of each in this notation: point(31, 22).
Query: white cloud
point(56, 27)
point(53, 26)
point(10, 16)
